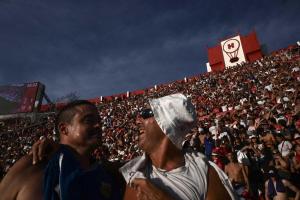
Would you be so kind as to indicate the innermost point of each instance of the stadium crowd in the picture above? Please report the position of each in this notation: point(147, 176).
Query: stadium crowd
point(248, 119)
point(17, 136)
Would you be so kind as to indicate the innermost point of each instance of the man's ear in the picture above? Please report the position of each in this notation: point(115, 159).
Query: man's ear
point(63, 128)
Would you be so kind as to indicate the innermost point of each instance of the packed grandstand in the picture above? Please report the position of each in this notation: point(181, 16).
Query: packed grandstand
point(251, 109)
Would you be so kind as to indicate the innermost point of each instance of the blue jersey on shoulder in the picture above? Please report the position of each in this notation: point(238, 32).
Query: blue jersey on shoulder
point(64, 179)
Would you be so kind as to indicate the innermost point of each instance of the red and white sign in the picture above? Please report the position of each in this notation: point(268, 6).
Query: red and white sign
point(233, 53)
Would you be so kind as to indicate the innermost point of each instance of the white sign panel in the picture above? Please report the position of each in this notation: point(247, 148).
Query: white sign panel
point(233, 51)
point(208, 67)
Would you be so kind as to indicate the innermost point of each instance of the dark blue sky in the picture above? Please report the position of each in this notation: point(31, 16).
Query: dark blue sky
point(101, 47)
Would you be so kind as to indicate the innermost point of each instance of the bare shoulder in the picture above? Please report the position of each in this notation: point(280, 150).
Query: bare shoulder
point(266, 183)
point(215, 188)
point(227, 168)
point(286, 182)
point(21, 176)
point(10, 184)
point(130, 193)
point(229, 165)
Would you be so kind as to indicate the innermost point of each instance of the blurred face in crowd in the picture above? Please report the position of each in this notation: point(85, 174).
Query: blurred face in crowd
point(288, 137)
point(279, 139)
point(243, 136)
point(83, 131)
point(229, 156)
point(254, 140)
point(297, 125)
point(276, 155)
point(223, 144)
point(297, 149)
point(214, 157)
point(237, 141)
point(150, 133)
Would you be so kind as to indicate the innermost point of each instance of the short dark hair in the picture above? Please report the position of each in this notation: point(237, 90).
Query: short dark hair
point(234, 156)
point(67, 113)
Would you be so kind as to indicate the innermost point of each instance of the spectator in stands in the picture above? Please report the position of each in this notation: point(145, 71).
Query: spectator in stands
point(208, 145)
point(296, 158)
point(70, 169)
point(162, 169)
point(276, 187)
point(238, 174)
point(268, 139)
point(297, 139)
point(295, 166)
point(195, 142)
point(217, 158)
point(248, 93)
point(284, 146)
point(18, 137)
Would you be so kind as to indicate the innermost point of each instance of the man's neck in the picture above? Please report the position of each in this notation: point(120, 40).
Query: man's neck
point(167, 156)
point(81, 154)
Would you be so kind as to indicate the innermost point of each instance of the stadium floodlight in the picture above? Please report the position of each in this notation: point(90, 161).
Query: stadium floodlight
point(298, 43)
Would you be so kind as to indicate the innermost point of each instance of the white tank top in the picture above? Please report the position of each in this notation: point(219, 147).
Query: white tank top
point(188, 182)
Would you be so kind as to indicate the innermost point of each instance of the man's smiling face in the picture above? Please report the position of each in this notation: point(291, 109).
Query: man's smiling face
point(84, 129)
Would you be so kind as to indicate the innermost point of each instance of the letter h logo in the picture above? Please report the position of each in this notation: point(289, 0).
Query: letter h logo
point(231, 45)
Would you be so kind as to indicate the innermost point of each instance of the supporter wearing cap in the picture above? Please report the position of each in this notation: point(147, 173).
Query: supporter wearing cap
point(253, 140)
point(163, 168)
point(218, 158)
point(297, 138)
point(252, 137)
point(254, 143)
point(224, 146)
